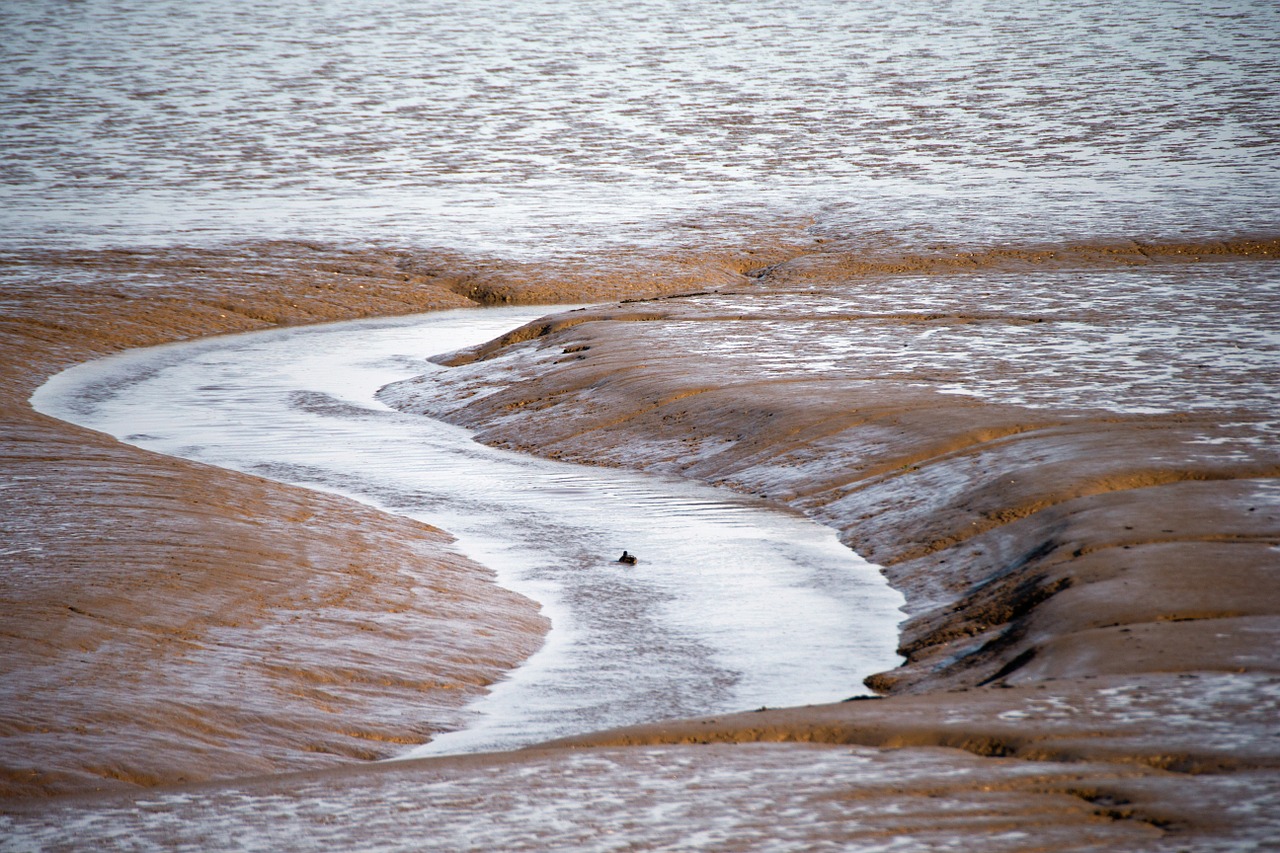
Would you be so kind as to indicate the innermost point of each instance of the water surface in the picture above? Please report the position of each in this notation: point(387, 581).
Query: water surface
point(538, 127)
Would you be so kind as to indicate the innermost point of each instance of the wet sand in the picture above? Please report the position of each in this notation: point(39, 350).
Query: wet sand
point(1025, 638)
point(165, 621)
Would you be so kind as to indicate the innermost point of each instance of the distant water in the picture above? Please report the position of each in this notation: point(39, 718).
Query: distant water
point(533, 127)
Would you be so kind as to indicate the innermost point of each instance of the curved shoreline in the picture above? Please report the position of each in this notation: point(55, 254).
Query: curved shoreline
point(39, 345)
point(686, 634)
point(1045, 501)
point(167, 621)
point(1052, 557)
point(146, 536)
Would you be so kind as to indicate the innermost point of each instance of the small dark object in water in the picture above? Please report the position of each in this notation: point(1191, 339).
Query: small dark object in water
point(629, 559)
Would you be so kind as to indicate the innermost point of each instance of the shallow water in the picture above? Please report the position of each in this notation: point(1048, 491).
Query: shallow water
point(767, 797)
point(733, 605)
point(775, 797)
point(543, 126)
point(1147, 340)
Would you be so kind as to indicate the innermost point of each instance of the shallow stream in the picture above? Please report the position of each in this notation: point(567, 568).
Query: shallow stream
point(733, 605)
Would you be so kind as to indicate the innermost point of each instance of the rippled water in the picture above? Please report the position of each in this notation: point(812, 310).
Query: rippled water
point(732, 606)
point(541, 126)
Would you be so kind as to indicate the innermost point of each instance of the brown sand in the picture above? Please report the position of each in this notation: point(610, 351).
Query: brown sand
point(1025, 637)
point(165, 621)
point(1050, 556)
point(162, 621)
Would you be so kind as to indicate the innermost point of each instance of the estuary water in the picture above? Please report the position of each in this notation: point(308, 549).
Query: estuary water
point(534, 128)
point(733, 605)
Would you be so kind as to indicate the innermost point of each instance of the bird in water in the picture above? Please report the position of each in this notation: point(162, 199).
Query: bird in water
point(629, 559)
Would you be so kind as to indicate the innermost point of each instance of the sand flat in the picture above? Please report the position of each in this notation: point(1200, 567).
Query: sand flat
point(1020, 642)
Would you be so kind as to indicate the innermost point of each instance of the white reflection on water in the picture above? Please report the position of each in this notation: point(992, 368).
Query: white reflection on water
point(732, 605)
point(540, 125)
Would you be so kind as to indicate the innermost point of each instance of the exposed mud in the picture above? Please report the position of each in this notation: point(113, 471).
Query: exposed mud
point(165, 621)
point(1120, 536)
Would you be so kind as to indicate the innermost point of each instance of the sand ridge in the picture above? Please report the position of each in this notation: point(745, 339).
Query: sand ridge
point(981, 512)
point(1074, 549)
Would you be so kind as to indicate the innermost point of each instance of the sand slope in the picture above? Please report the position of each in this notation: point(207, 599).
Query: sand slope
point(1054, 557)
point(165, 621)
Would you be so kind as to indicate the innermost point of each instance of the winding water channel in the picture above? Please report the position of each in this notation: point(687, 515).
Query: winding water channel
point(733, 605)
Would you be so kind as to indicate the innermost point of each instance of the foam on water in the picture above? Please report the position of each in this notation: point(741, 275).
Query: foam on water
point(733, 605)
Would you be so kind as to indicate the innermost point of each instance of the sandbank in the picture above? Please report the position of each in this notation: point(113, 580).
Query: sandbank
point(1101, 597)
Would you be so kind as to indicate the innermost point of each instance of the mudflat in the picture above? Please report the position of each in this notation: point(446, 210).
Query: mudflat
point(166, 621)
point(1088, 554)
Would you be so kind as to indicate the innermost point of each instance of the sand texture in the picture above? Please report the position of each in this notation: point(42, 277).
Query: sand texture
point(1114, 533)
point(164, 621)
point(1088, 556)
